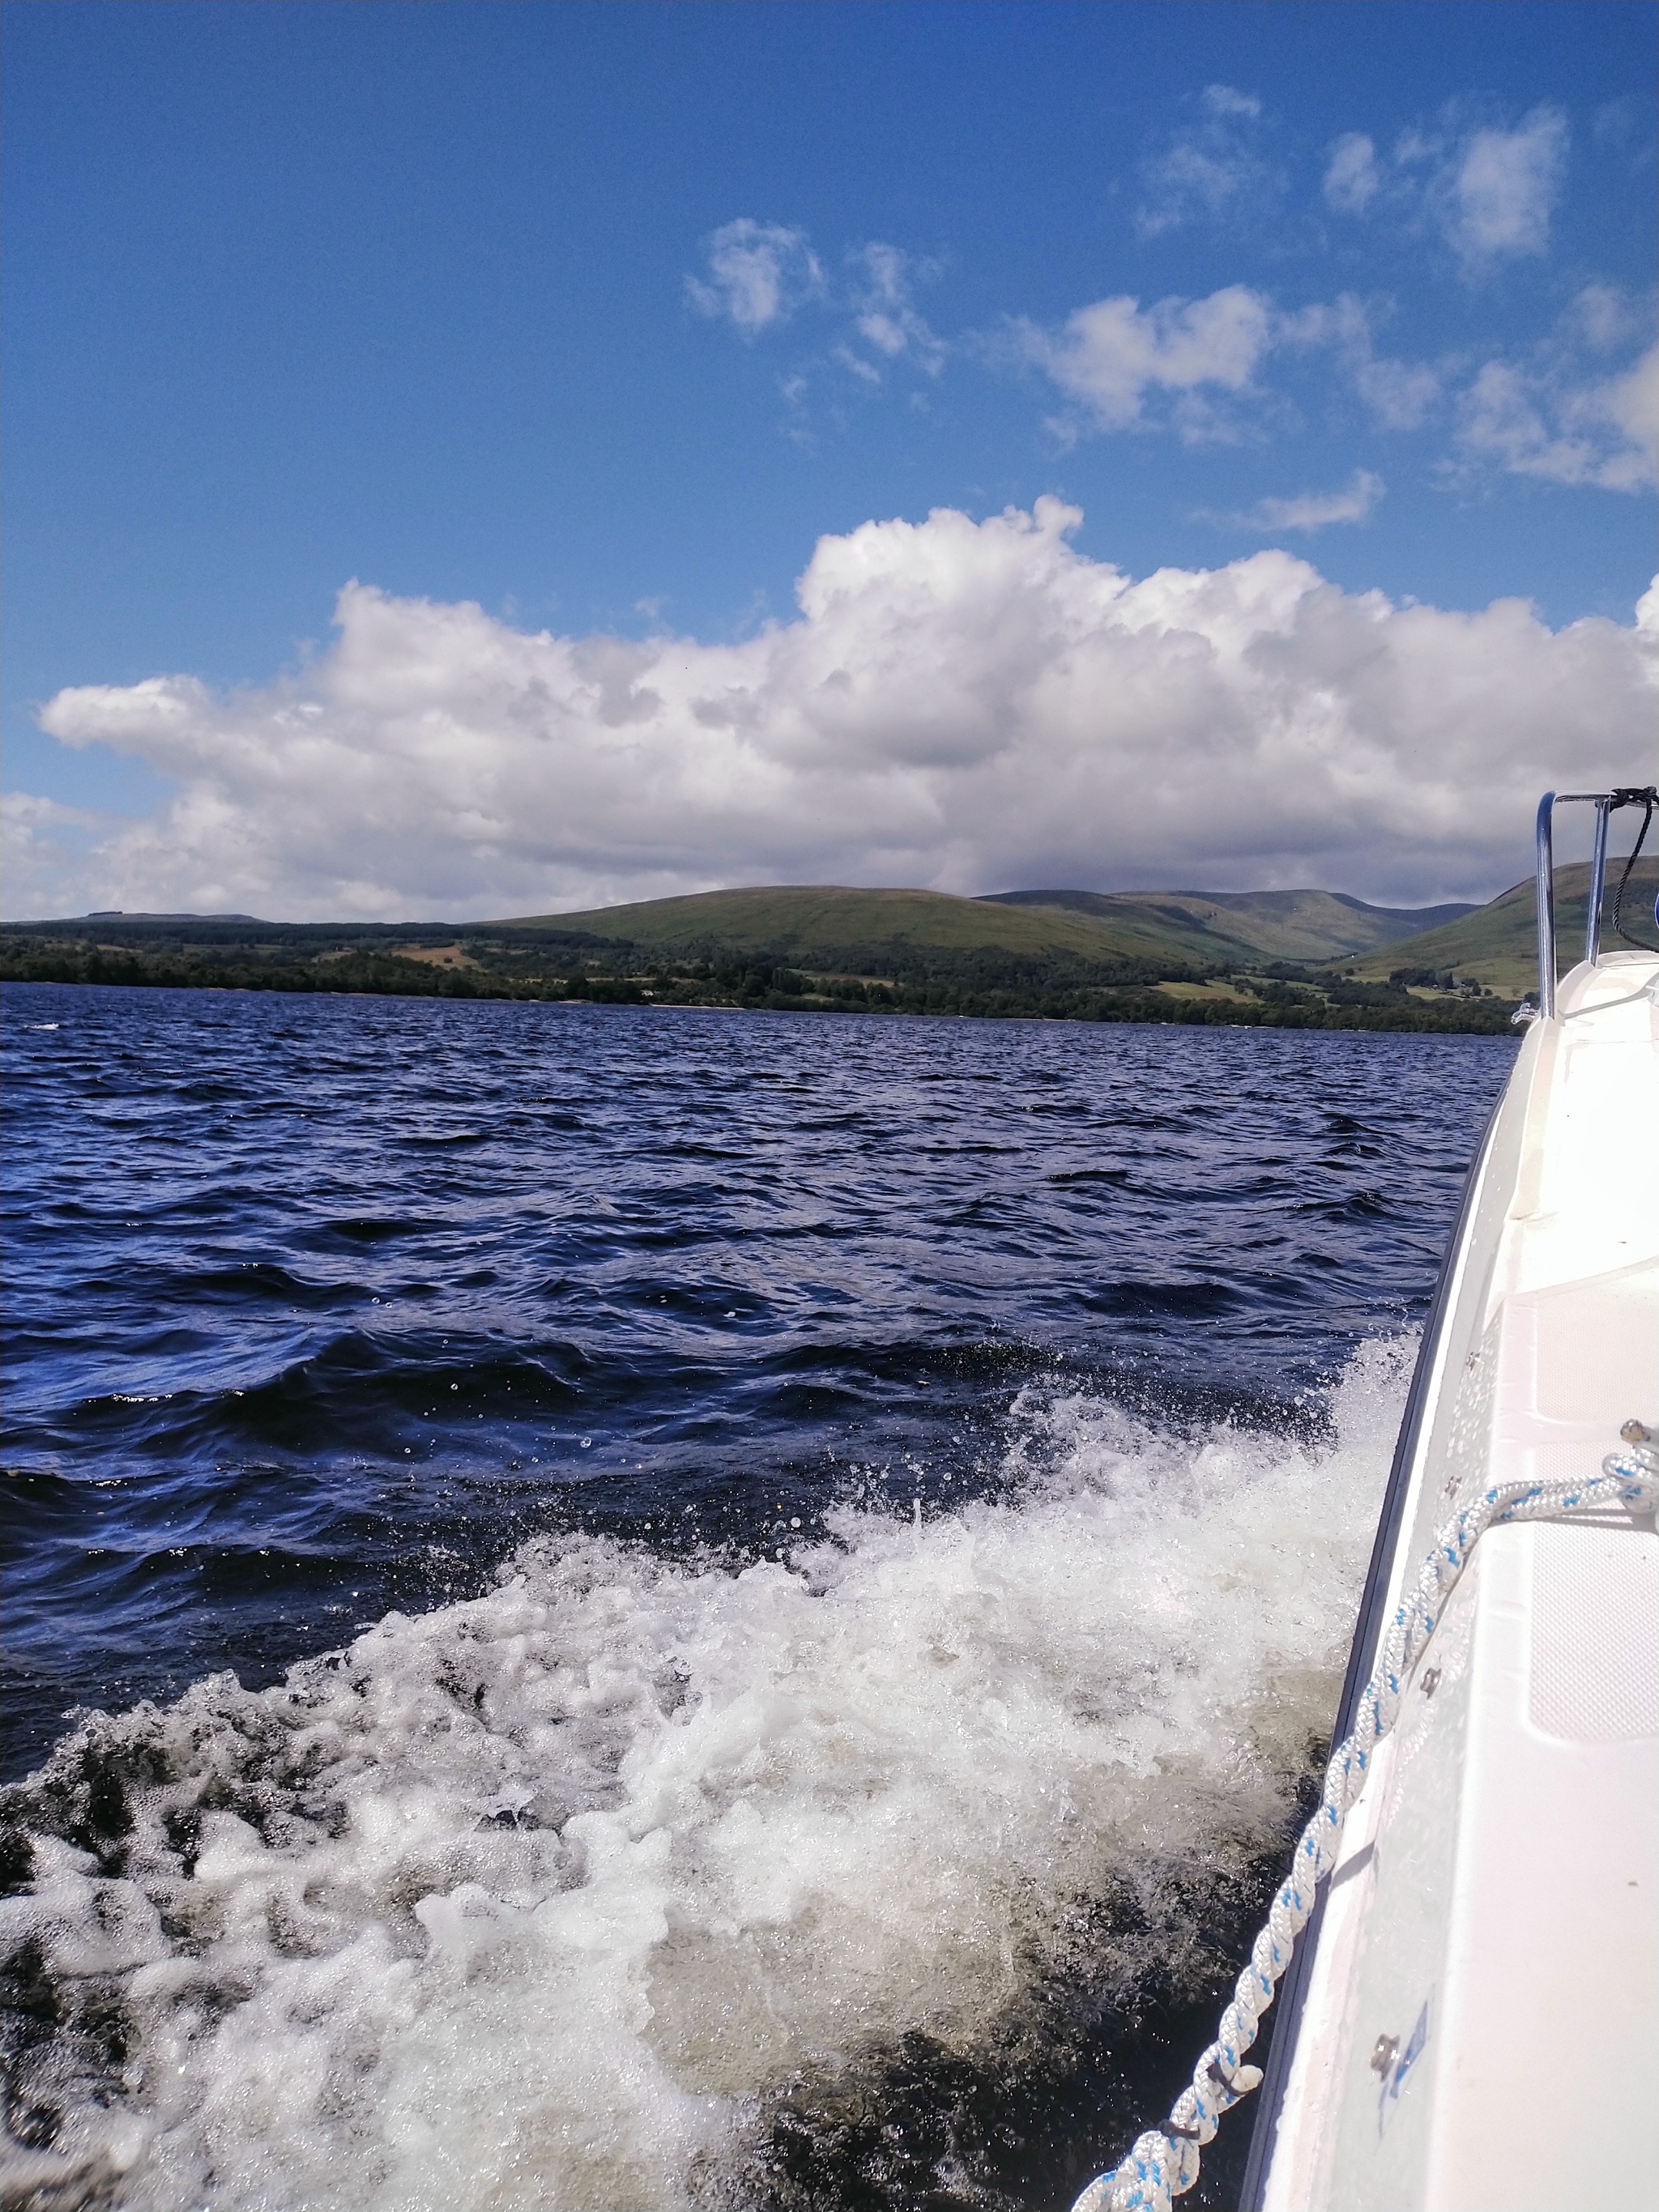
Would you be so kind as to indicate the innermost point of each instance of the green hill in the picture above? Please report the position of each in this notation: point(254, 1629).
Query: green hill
point(1225, 926)
point(1497, 945)
point(824, 926)
point(813, 925)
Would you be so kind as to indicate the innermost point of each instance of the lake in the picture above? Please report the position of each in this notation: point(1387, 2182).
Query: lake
point(624, 1608)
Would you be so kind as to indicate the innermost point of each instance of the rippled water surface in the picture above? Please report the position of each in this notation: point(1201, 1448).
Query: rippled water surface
point(729, 1609)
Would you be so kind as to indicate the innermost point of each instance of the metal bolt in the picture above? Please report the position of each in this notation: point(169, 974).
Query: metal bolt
point(1430, 1681)
point(1637, 1432)
point(1383, 2053)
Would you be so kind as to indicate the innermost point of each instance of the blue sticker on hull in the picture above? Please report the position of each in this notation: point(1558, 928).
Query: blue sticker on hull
point(1394, 2080)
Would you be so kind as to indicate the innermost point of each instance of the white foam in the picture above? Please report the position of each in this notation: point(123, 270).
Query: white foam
point(780, 1815)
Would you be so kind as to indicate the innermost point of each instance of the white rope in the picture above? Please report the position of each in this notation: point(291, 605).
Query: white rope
point(1163, 2163)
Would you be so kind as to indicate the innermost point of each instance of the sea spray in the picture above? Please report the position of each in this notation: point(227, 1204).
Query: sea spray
point(575, 1893)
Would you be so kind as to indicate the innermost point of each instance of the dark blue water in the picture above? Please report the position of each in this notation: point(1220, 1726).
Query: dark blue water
point(322, 1309)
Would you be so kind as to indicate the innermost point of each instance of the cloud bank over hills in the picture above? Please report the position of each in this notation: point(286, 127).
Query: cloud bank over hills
point(961, 706)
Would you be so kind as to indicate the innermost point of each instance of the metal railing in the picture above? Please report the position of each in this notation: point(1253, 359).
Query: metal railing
point(1606, 803)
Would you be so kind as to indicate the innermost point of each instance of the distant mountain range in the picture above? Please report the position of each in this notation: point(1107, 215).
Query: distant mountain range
point(1280, 925)
point(1021, 940)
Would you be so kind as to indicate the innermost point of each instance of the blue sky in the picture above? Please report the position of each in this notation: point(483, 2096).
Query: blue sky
point(601, 318)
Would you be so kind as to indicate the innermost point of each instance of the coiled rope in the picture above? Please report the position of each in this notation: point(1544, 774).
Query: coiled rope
point(1163, 2163)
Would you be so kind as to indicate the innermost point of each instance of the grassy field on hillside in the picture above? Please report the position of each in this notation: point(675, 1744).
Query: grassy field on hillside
point(817, 925)
point(1212, 926)
point(1497, 945)
point(820, 925)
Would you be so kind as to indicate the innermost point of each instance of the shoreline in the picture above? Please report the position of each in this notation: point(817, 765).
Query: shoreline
point(1185, 1013)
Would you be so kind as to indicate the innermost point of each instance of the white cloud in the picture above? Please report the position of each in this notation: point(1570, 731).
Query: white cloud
point(1311, 511)
point(22, 811)
point(1109, 355)
point(1605, 316)
point(1630, 404)
point(1209, 167)
point(1399, 393)
point(1536, 422)
point(1351, 177)
point(761, 274)
point(1491, 192)
point(758, 274)
point(1226, 99)
point(1503, 187)
point(855, 365)
point(970, 706)
point(884, 308)
point(44, 845)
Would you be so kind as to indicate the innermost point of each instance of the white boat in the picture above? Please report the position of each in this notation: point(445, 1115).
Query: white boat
point(1470, 2023)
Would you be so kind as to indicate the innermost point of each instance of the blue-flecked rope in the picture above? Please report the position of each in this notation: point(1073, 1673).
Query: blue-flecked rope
point(1163, 2163)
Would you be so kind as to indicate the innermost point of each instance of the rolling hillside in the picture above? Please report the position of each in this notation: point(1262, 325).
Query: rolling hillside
point(1497, 945)
point(1267, 925)
point(824, 926)
point(817, 925)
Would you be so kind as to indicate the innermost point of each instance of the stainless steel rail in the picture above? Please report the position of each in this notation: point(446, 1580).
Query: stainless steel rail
point(1604, 802)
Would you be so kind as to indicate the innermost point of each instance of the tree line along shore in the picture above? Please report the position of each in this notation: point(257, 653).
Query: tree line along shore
point(980, 983)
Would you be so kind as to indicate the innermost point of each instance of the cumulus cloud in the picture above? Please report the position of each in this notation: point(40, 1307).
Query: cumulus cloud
point(44, 846)
point(1490, 190)
point(1111, 355)
point(1502, 189)
point(1115, 358)
point(1352, 177)
point(1630, 404)
point(1311, 511)
point(1604, 433)
point(1561, 413)
point(759, 273)
point(971, 706)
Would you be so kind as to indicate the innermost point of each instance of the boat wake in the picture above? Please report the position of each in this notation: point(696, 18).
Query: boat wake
point(836, 1878)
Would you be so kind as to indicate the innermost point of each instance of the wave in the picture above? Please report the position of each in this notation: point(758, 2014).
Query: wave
point(658, 1879)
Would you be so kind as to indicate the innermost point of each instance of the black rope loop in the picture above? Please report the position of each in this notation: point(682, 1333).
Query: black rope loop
point(1646, 796)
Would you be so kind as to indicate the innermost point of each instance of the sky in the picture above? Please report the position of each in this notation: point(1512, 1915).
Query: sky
point(472, 459)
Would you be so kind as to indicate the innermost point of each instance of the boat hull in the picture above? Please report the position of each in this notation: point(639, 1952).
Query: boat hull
point(1477, 2023)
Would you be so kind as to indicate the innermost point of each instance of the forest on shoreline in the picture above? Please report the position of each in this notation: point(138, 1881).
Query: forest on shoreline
point(979, 984)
